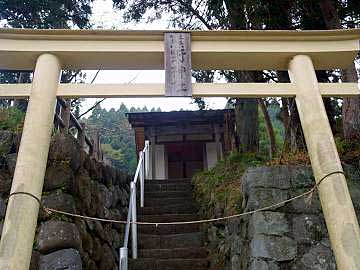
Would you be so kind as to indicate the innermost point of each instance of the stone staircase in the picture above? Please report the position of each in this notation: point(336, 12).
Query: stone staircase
point(169, 247)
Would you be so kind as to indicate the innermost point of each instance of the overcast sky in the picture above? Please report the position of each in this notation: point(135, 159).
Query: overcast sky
point(105, 17)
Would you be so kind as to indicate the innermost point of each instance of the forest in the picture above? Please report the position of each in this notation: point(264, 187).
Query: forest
point(116, 136)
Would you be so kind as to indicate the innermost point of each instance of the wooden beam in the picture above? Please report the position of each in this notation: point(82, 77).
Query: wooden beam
point(22, 210)
point(257, 90)
point(177, 59)
point(334, 194)
point(240, 50)
point(242, 90)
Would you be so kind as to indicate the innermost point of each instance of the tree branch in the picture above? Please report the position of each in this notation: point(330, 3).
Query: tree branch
point(91, 108)
point(195, 12)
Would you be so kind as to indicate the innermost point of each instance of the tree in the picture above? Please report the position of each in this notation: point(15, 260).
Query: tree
point(209, 15)
point(269, 127)
point(40, 14)
point(116, 136)
point(351, 106)
point(46, 14)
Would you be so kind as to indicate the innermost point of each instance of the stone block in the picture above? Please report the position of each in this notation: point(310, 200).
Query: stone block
point(64, 147)
point(308, 229)
point(1, 227)
point(86, 239)
point(62, 259)
point(269, 223)
point(263, 197)
point(318, 257)
point(305, 205)
point(107, 259)
point(235, 262)
point(11, 162)
point(258, 264)
point(2, 208)
point(277, 248)
point(59, 201)
point(5, 182)
point(97, 250)
point(34, 262)
point(352, 172)
point(267, 177)
point(301, 176)
point(58, 175)
point(54, 235)
point(354, 189)
point(84, 188)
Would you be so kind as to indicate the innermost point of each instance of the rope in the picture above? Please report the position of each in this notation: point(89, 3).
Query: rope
point(307, 193)
point(25, 193)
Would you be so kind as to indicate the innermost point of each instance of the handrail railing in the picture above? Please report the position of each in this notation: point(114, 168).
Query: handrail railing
point(142, 170)
point(64, 119)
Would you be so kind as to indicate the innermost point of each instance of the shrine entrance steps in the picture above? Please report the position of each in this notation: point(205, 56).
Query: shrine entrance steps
point(169, 247)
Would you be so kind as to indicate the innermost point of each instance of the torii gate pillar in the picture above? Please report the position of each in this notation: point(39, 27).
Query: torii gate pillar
point(22, 210)
point(334, 195)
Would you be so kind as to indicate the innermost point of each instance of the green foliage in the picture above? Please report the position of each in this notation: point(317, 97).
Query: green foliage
point(11, 119)
point(45, 14)
point(273, 110)
point(349, 150)
point(114, 153)
point(218, 189)
point(116, 136)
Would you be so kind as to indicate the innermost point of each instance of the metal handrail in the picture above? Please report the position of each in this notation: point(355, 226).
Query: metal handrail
point(142, 169)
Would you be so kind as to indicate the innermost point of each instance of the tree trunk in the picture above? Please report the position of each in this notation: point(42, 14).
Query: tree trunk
point(285, 117)
point(21, 104)
point(351, 106)
point(269, 127)
point(322, 77)
point(247, 125)
point(247, 115)
point(246, 110)
point(294, 139)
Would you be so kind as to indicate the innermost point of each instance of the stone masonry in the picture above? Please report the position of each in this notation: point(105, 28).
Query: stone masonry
point(76, 184)
point(292, 236)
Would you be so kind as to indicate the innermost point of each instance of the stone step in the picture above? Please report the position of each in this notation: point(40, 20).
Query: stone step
point(168, 217)
point(180, 253)
point(168, 264)
point(149, 187)
point(169, 194)
point(168, 229)
point(155, 202)
point(186, 208)
point(169, 181)
point(170, 241)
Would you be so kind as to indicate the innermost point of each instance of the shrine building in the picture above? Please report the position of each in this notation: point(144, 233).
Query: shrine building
point(183, 142)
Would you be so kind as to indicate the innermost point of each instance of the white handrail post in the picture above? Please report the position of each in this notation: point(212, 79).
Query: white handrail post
point(123, 262)
point(133, 224)
point(141, 175)
point(147, 160)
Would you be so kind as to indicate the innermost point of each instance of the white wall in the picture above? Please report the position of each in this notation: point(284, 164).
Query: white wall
point(160, 170)
point(211, 154)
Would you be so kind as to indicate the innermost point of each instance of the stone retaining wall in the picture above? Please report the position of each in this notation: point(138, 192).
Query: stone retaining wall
point(77, 184)
point(293, 236)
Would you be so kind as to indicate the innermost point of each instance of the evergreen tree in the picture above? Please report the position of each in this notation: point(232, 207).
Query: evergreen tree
point(116, 135)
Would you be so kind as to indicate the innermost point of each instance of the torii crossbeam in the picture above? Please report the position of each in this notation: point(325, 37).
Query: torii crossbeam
point(300, 52)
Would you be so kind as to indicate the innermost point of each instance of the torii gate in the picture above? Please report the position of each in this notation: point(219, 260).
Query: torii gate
point(299, 52)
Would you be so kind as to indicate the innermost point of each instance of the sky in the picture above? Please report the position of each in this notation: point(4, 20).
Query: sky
point(105, 17)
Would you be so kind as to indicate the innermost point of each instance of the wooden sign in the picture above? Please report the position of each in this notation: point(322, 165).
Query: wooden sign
point(177, 57)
